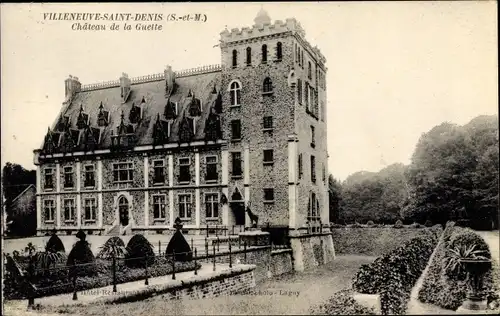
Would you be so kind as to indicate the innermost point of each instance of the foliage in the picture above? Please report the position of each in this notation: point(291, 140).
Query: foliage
point(415, 225)
point(370, 223)
point(57, 282)
point(443, 287)
point(454, 174)
point(394, 274)
point(139, 252)
point(334, 198)
point(399, 224)
point(46, 259)
point(181, 247)
point(113, 247)
point(81, 260)
point(428, 223)
point(373, 196)
point(15, 179)
point(30, 249)
point(54, 244)
point(341, 303)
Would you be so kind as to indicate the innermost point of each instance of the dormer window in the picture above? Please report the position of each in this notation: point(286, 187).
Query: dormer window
point(195, 107)
point(264, 53)
point(102, 117)
point(135, 114)
point(63, 123)
point(170, 110)
point(267, 86)
point(83, 119)
point(218, 104)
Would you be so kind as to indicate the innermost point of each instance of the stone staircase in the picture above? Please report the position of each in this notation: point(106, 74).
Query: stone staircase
point(114, 231)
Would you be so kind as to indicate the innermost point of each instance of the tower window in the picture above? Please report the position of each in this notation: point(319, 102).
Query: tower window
point(235, 93)
point(267, 86)
point(279, 51)
point(268, 122)
point(309, 70)
point(249, 56)
point(235, 58)
point(313, 142)
point(236, 164)
point(300, 166)
point(299, 91)
point(235, 129)
point(264, 53)
point(269, 195)
point(268, 156)
point(313, 169)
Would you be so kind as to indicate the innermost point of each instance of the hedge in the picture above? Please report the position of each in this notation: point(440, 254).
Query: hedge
point(58, 282)
point(394, 274)
point(449, 290)
point(341, 303)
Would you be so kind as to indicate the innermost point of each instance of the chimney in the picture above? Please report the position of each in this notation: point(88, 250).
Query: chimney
point(124, 87)
point(72, 86)
point(169, 81)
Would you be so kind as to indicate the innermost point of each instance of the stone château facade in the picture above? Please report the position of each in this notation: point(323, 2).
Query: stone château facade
point(201, 144)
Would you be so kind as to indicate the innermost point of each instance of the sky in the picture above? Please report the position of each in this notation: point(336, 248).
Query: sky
point(395, 69)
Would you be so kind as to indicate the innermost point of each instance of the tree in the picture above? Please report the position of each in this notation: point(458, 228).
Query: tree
point(334, 198)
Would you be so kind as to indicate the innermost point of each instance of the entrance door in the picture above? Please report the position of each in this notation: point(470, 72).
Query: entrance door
point(238, 209)
point(123, 210)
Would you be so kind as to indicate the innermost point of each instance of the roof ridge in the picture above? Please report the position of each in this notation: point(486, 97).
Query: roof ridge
point(19, 195)
point(153, 77)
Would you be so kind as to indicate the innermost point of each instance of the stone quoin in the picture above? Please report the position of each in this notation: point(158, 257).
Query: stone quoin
point(203, 144)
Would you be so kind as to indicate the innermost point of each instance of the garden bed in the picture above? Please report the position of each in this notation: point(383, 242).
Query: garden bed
point(342, 303)
point(57, 280)
point(448, 289)
point(394, 274)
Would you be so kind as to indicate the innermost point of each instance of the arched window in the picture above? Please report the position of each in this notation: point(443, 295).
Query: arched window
point(235, 93)
point(309, 70)
point(264, 53)
point(268, 85)
point(279, 51)
point(249, 56)
point(235, 58)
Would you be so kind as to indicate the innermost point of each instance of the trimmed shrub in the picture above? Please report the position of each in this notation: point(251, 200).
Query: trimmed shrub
point(81, 260)
point(399, 224)
point(446, 288)
point(394, 274)
point(139, 252)
point(113, 247)
point(182, 249)
point(370, 223)
point(54, 244)
point(341, 303)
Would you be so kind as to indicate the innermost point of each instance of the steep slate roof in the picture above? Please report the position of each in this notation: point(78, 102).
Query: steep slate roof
point(201, 86)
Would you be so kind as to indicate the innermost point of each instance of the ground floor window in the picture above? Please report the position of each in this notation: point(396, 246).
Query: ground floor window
point(89, 206)
point(212, 205)
point(185, 206)
point(159, 207)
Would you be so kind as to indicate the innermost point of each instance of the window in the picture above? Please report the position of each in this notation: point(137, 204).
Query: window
point(322, 111)
point(268, 122)
point(123, 172)
point(184, 172)
point(211, 168)
point(313, 208)
point(279, 51)
point(159, 171)
point(235, 129)
point(309, 70)
point(236, 162)
point(49, 181)
point(235, 93)
point(235, 58)
point(302, 59)
point(324, 173)
point(212, 205)
point(313, 137)
point(68, 177)
point(299, 90)
point(313, 169)
point(296, 53)
point(89, 180)
point(159, 207)
point(308, 96)
point(89, 206)
point(49, 210)
point(249, 56)
point(69, 210)
point(268, 195)
point(185, 206)
point(268, 156)
point(264, 53)
point(267, 86)
point(301, 170)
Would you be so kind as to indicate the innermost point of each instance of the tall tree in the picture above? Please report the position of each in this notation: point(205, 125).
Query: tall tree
point(334, 198)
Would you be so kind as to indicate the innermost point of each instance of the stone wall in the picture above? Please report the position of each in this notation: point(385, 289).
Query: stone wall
point(312, 250)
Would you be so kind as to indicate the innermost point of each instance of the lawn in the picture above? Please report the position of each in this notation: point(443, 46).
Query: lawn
point(293, 293)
